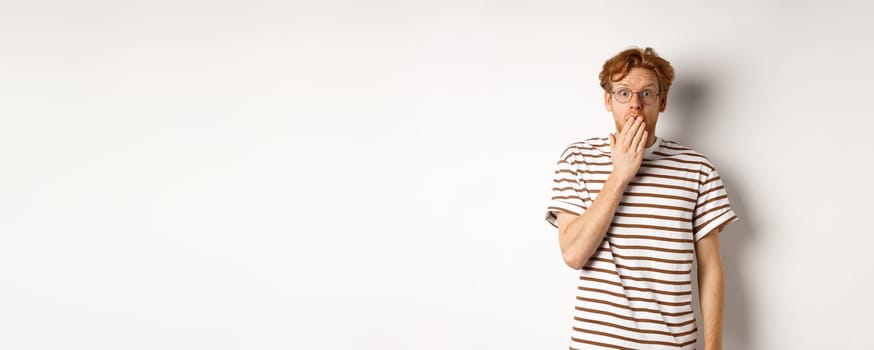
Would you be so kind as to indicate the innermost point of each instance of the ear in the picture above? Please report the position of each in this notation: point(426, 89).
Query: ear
point(608, 101)
point(663, 103)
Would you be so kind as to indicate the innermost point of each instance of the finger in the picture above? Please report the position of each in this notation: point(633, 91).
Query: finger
point(620, 136)
point(642, 143)
point(625, 126)
point(631, 131)
point(637, 136)
point(612, 141)
point(635, 141)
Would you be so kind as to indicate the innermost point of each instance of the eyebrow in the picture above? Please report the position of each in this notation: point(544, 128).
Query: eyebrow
point(650, 85)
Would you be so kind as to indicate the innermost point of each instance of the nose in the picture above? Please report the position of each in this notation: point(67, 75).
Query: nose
point(635, 103)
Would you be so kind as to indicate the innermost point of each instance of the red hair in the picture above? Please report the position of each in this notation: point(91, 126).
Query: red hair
point(635, 57)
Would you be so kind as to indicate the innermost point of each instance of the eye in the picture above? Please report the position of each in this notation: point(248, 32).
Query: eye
point(648, 93)
point(624, 93)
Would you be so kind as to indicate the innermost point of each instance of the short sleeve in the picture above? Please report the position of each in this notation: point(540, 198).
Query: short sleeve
point(569, 193)
point(712, 208)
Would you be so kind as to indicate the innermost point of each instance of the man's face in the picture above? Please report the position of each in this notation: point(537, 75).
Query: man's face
point(637, 80)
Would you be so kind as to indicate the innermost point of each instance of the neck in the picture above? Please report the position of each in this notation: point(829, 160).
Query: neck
point(650, 140)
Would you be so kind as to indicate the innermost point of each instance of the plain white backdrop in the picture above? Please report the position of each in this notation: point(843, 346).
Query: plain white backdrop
point(374, 174)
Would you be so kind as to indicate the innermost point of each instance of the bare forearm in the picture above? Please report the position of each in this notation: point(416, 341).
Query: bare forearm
point(711, 292)
point(584, 234)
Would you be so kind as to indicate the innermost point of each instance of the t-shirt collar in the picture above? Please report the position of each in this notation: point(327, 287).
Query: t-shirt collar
point(648, 152)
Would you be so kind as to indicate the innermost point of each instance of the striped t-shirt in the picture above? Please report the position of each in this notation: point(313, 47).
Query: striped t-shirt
point(635, 292)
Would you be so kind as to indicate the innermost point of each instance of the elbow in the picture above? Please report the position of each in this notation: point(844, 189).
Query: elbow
point(572, 253)
point(574, 261)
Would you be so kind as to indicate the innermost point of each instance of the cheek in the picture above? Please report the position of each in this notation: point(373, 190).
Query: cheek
point(651, 122)
point(618, 116)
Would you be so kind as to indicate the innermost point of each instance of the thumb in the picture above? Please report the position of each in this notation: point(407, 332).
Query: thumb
point(612, 140)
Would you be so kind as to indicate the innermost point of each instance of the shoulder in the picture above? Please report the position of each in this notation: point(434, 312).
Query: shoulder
point(673, 149)
point(593, 146)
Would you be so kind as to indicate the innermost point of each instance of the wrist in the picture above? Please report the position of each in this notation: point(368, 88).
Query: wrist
point(619, 182)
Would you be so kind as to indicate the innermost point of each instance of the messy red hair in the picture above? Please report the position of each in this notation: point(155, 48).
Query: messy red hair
point(617, 67)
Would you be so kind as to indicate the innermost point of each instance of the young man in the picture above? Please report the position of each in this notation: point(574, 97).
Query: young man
point(632, 211)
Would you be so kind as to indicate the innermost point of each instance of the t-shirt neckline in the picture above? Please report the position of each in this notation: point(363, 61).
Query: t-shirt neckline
point(648, 152)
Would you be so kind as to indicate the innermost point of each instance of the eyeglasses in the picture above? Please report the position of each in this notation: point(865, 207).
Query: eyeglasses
point(646, 96)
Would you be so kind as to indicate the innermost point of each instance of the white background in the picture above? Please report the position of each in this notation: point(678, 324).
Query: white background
point(374, 174)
